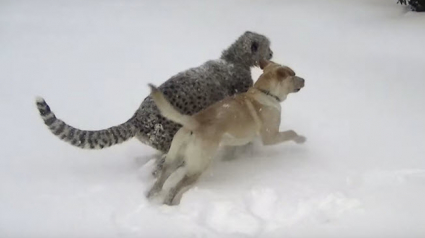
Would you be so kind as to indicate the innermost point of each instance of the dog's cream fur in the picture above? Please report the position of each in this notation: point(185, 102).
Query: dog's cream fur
point(233, 121)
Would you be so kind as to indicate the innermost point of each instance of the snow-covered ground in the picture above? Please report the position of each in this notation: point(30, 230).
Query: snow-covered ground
point(360, 174)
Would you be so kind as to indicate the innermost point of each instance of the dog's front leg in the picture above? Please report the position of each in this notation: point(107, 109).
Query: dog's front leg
point(231, 152)
point(272, 138)
point(269, 132)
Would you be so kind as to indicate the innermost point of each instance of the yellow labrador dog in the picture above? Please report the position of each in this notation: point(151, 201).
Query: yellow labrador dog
point(234, 121)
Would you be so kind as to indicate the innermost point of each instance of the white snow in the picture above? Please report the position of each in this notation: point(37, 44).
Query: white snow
point(360, 174)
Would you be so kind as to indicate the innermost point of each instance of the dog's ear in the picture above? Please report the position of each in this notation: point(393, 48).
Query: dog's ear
point(263, 63)
point(281, 72)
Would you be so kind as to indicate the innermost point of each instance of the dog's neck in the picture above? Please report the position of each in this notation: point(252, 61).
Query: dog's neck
point(264, 98)
point(266, 92)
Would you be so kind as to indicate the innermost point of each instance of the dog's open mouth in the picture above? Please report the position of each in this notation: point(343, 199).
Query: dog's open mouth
point(297, 89)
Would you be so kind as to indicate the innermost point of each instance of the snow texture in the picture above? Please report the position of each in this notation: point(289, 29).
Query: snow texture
point(360, 174)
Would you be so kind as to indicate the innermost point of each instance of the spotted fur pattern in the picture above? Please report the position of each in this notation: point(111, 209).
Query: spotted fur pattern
point(189, 92)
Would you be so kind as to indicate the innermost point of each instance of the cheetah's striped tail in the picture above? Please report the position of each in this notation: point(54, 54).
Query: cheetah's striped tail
point(81, 138)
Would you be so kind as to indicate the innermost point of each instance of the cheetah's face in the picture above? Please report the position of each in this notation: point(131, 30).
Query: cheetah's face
point(259, 47)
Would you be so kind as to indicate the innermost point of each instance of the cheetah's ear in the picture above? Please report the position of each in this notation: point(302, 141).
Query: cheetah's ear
point(263, 63)
point(247, 33)
point(153, 88)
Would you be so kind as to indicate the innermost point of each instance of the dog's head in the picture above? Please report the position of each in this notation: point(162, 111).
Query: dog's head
point(278, 80)
point(249, 49)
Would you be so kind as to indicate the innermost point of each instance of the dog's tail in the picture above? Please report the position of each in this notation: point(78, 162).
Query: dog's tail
point(85, 139)
point(167, 110)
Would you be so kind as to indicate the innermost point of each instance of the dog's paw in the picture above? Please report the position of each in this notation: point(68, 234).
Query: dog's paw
point(156, 172)
point(152, 193)
point(300, 139)
point(169, 199)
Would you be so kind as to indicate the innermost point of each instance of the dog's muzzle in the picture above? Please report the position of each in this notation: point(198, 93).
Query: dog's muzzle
point(299, 83)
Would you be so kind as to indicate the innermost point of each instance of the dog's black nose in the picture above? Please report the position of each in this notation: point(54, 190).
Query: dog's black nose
point(271, 54)
point(302, 81)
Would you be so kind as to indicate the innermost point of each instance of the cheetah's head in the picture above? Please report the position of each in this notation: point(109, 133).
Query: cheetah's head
point(249, 49)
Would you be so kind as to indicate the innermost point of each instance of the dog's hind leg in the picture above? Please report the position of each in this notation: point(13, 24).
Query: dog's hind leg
point(198, 157)
point(186, 181)
point(167, 170)
point(172, 160)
